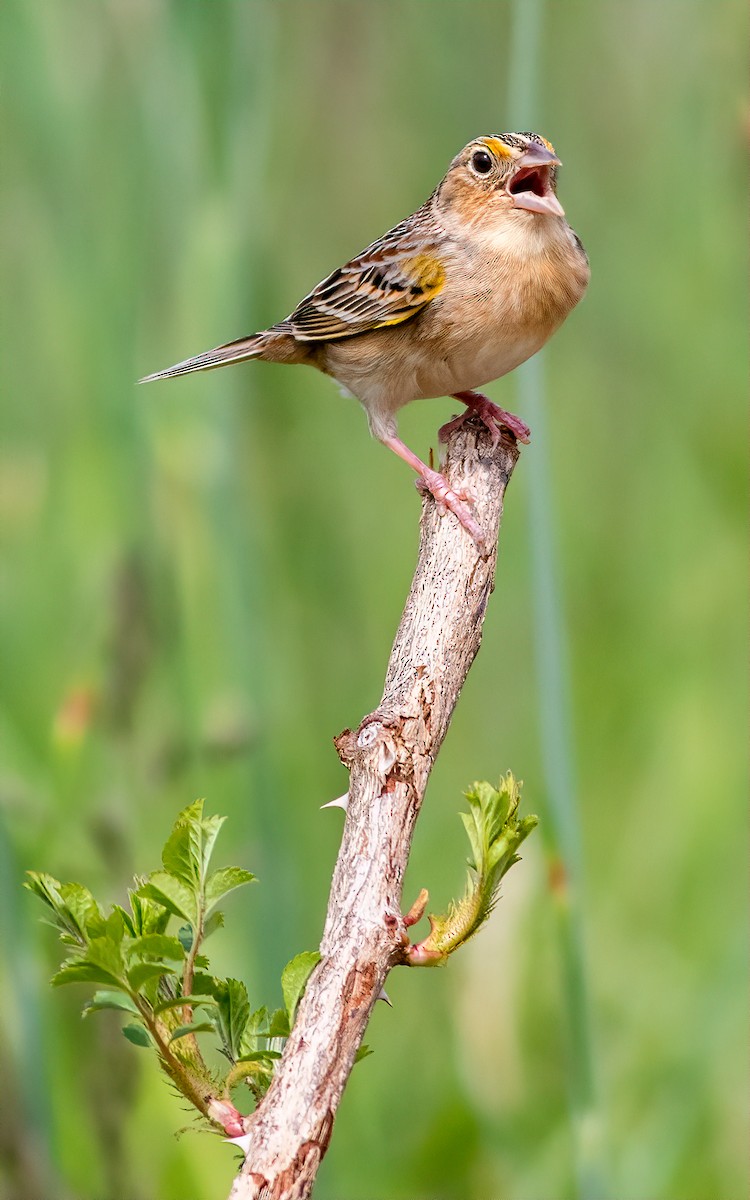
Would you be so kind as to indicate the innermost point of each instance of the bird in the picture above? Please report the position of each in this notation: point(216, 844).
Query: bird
point(457, 295)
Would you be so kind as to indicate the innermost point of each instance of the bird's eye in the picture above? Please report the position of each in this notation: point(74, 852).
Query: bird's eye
point(481, 162)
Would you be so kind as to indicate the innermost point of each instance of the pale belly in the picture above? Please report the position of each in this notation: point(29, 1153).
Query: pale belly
point(390, 368)
point(474, 362)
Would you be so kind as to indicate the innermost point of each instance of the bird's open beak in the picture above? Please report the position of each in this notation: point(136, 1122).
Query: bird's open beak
point(530, 185)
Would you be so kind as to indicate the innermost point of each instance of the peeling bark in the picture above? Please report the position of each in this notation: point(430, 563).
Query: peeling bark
point(389, 758)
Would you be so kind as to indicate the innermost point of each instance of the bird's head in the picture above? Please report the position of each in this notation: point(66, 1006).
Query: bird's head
point(508, 172)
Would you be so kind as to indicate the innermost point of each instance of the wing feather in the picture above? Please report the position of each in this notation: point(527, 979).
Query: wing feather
point(389, 282)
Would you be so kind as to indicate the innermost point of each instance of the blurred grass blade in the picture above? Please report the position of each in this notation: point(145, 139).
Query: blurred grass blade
point(563, 826)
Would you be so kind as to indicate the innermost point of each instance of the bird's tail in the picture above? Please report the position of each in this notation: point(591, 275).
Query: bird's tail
point(257, 345)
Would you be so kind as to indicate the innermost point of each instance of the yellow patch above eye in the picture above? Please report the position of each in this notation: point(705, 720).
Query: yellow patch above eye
point(549, 145)
point(497, 147)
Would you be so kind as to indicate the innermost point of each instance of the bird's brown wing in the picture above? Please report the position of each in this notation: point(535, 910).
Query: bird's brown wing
point(389, 282)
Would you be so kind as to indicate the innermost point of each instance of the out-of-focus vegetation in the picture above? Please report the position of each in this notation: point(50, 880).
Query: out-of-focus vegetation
point(201, 579)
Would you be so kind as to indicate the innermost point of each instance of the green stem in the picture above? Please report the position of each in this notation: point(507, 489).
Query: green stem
point(189, 971)
point(192, 1084)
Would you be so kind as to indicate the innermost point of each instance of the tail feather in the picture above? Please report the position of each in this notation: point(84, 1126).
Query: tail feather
point(220, 356)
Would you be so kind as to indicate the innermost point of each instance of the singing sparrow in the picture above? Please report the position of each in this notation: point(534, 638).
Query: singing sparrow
point(461, 292)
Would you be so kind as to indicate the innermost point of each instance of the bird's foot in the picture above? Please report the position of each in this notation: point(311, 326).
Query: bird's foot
point(457, 502)
point(437, 485)
point(490, 414)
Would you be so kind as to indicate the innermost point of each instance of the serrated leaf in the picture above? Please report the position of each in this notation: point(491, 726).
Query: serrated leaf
point(257, 1020)
point(114, 926)
point(117, 1000)
point(142, 972)
point(49, 890)
point(278, 1026)
point(172, 894)
point(137, 1035)
point(180, 1001)
point(149, 916)
point(156, 945)
point(194, 1027)
point(46, 887)
point(294, 979)
point(256, 1027)
point(181, 855)
point(84, 908)
point(495, 832)
point(204, 985)
point(210, 831)
point(102, 963)
point(225, 880)
point(127, 921)
point(82, 971)
point(234, 1009)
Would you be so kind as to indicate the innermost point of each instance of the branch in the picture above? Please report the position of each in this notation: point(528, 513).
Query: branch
point(389, 758)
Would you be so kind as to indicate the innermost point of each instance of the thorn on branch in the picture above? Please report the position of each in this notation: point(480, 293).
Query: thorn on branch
point(339, 802)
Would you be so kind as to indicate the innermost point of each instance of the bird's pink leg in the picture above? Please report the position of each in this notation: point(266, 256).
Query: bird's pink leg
point(439, 487)
point(490, 414)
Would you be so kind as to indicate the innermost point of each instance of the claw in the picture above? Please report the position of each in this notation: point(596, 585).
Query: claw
point(439, 487)
point(492, 416)
point(456, 502)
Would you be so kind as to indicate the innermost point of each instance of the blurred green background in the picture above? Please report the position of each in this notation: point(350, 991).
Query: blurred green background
point(201, 580)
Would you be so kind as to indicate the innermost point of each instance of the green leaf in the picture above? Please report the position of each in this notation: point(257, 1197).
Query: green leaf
point(363, 1052)
point(101, 963)
point(143, 971)
point(257, 1020)
point(214, 922)
point(234, 1009)
point(116, 1000)
point(210, 830)
point(149, 916)
point(156, 945)
point(114, 926)
point(84, 909)
point(179, 1002)
point(278, 1026)
point(172, 894)
point(294, 979)
point(494, 833)
point(81, 971)
point(188, 849)
point(226, 879)
point(255, 1029)
point(127, 920)
point(138, 1035)
point(260, 1056)
point(50, 891)
point(185, 937)
point(204, 985)
point(181, 855)
point(194, 1027)
point(46, 887)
